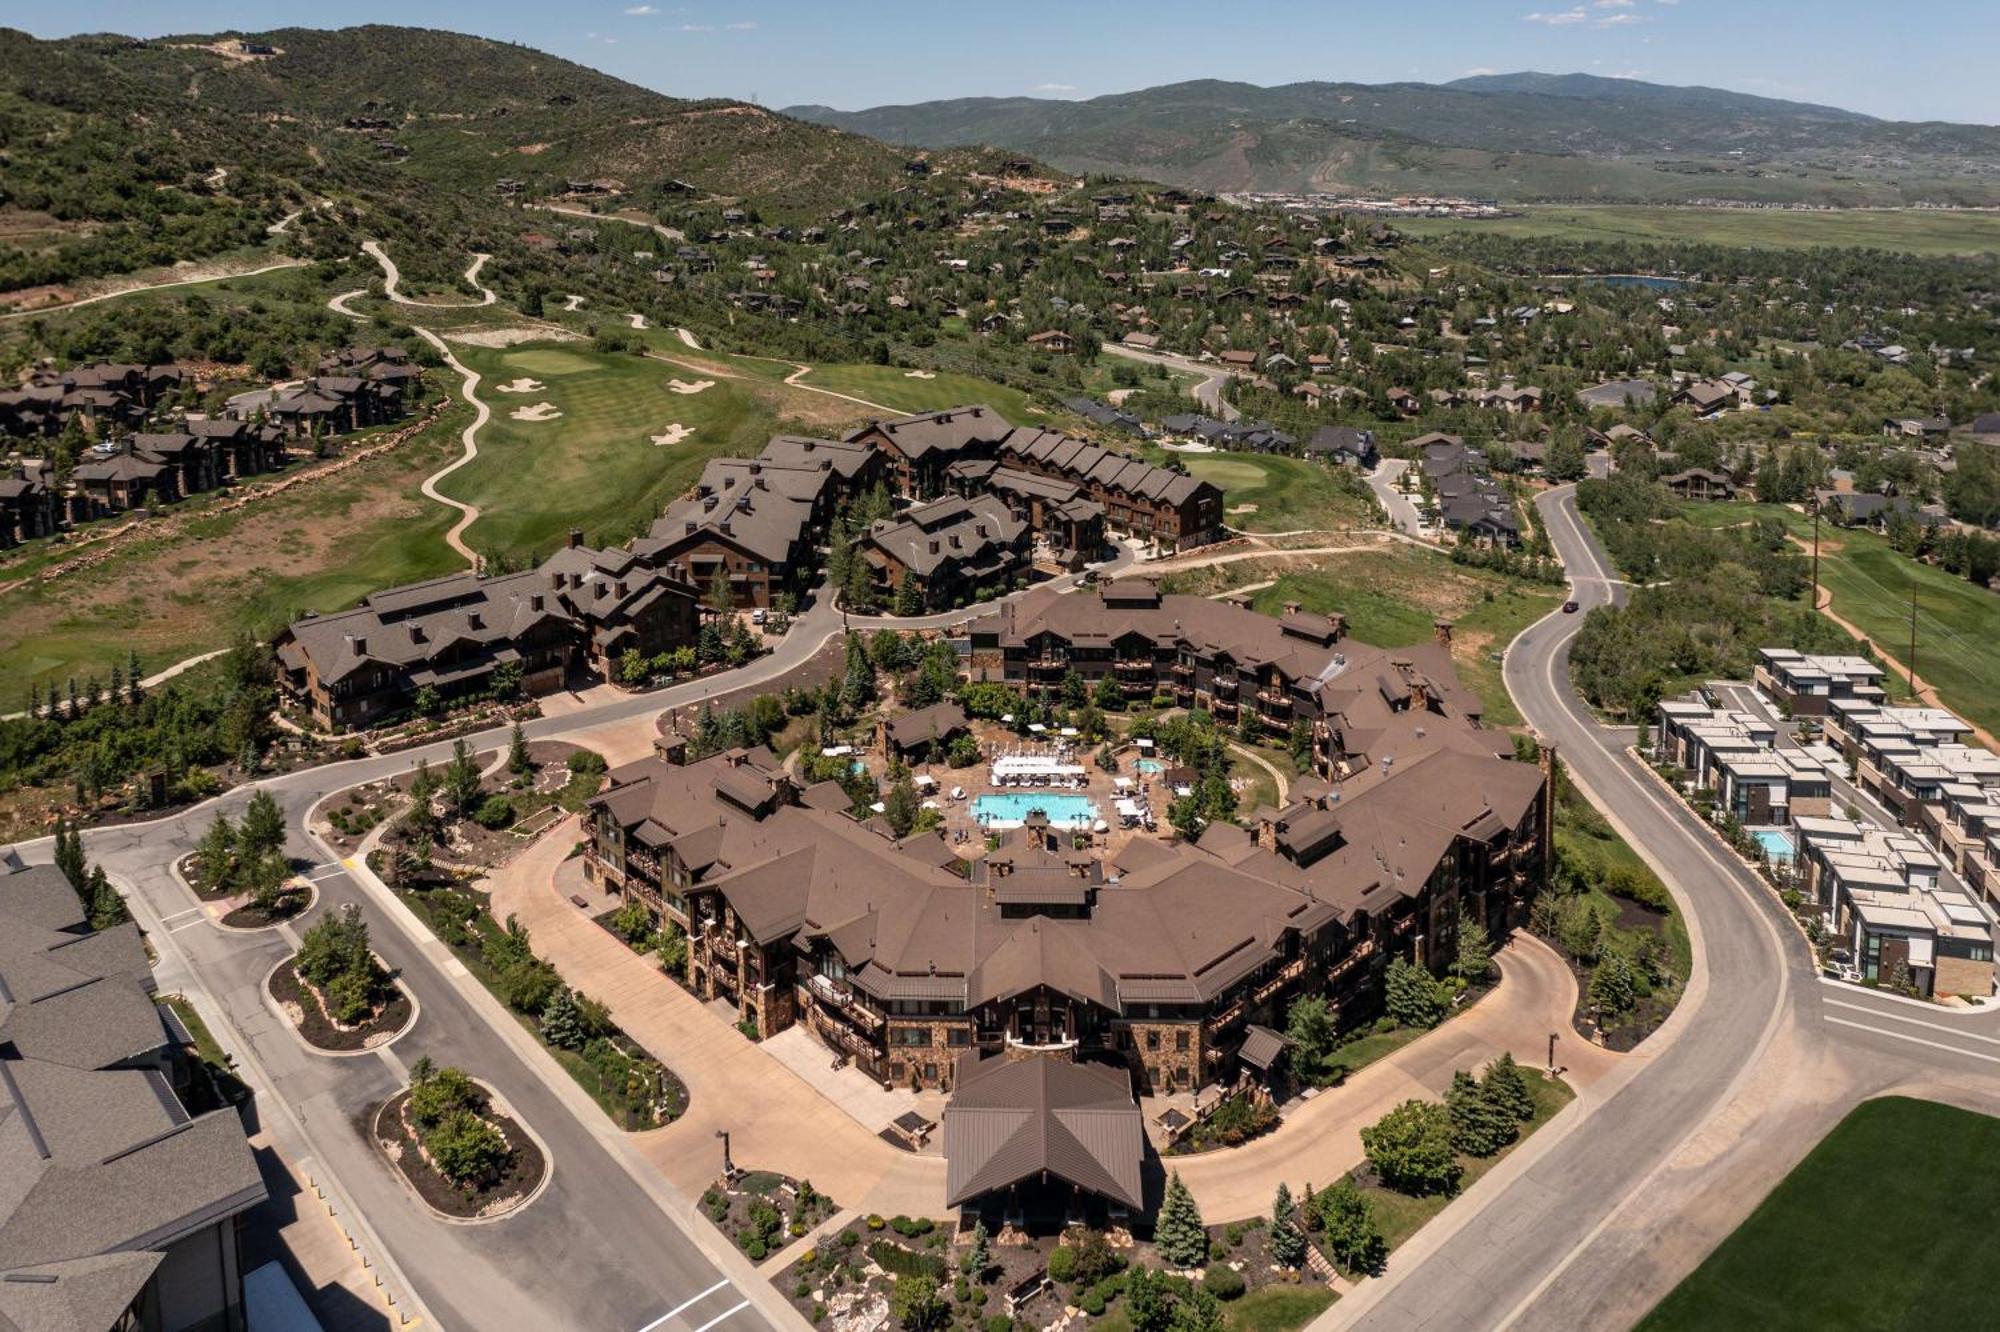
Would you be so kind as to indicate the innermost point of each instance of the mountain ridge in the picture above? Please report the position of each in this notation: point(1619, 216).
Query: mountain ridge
point(1522, 136)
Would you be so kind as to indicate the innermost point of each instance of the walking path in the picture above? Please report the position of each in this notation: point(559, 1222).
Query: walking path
point(1284, 783)
point(1207, 392)
point(469, 513)
point(796, 379)
point(392, 279)
point(155, 286)
point(664, 232)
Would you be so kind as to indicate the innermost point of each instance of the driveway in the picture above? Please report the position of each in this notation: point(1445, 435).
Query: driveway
point(1402, 513)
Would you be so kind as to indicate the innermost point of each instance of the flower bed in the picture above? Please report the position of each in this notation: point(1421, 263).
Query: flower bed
point(510, 1187)
point(306, 1008)
point(762, 1211)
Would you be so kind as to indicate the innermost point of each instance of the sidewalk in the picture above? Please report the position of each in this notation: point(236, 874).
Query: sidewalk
point(1321, 1138)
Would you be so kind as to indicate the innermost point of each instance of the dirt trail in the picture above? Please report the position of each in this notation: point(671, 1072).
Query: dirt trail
point(1926, 692)
point(208, 273)
point(392, 279)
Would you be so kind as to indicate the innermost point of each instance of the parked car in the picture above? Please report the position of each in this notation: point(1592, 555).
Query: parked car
point(759, 615)
point(1569, 608)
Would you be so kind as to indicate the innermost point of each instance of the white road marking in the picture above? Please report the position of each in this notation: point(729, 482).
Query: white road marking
point(687, 1303)
point(1914, 1040)
point(1913, 1021)
point(738, 1308)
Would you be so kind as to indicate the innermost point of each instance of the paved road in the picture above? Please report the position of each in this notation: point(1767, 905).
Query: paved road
point(1611, 1205)
point(1403, 515)
point(1208, 392)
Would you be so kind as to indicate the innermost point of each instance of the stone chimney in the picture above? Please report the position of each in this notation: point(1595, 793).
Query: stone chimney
point(1339, 625)
point(1442, 629)
point(576, 538)
point(535, 602)
point(1293, 608)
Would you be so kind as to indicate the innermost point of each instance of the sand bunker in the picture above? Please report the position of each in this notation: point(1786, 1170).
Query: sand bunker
point(541, 411)
point(699, 386)
point(638, 320)
point(920, 374)
point(508, 337)
point(572, 302)
point(522, 385)
point(673, 434)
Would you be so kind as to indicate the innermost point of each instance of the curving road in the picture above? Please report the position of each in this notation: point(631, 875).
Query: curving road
point(1601, 1213)
point(392, 278)
point(481, 413)
point(1208, 391)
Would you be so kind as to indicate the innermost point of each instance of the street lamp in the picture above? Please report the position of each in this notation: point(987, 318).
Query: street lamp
point(1552, 1064)
point(728, 1166)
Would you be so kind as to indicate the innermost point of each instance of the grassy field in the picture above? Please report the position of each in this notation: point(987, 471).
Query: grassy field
point(1271, 493)
point(1912, 231)
point(1277, 1308)
point(1887, 1224)
point(893, 387)
point(1957, 623)
point(1391, 598)
point(595, 466)
point(318, 547)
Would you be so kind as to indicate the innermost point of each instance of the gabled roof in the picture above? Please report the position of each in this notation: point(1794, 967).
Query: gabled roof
point(1013, 1120)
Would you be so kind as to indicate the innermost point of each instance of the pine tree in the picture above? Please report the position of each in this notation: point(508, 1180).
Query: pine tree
point(1479, 1125)
point(106, 906)
point(69, 858)
point(1614, 989)
point(263, 827)
point(215, 853)
point(1506, 1086)
point(1180, 1236)
point(1475, 950)
point(133, 686)
point(1288, 1242)
point(518, 761)
point(562, 1021)
point(909, 600)
point(980, 1256)
point(1412, 995)
point(461, 779)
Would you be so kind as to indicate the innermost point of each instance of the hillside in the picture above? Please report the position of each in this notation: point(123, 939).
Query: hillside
point(1518, 137)
point(117, 154)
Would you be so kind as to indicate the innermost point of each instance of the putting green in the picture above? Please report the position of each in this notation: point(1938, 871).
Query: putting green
point(550, 361)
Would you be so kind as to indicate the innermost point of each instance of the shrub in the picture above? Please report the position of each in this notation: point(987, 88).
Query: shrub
point(465, 1148)
point(1223, 1281)
point(1413, 996)
point(909, 1228)
point(496, 811)
point(753, 1248)
point(439, 1093)
point(1411, 1149)
point(351, 996)
point(1062, 1265)
point(875, 1222)
point(901, 1262)
point(1347, 1229)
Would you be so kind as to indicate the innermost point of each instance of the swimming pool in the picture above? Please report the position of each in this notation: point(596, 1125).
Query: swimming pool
point(1777, 843)
point(1150, 766)
point(1009, 809)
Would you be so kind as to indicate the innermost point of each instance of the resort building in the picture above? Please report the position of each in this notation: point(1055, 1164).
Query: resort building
point(1888, 899)
point(1805, 685)
point(948, 551)
point(1158, 956)
point(461, 635)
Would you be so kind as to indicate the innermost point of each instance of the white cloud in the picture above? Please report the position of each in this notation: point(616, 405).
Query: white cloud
point(1612, 4)
point(641, 11)
point(1053, 88)
point(740, 27)
point(1481, 72)
point(1621, 21)
point(1556, 18)
point(697, 27)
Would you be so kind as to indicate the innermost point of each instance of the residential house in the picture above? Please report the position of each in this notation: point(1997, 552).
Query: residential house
point(948, 551)
point(1698, 483)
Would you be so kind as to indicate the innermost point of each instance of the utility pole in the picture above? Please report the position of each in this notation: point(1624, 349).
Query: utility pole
point(1913, 640)
point(1815, 592)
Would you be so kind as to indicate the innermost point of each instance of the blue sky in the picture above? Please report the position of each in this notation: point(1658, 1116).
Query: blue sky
point(1930, 60)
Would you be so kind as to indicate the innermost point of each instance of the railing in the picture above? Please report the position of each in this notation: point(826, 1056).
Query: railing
point(1288, 973)
point(1040, 1047)
point(841, 1000)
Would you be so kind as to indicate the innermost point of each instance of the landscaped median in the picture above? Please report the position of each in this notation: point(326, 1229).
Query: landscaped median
point(336, 993)
point(459, 1151)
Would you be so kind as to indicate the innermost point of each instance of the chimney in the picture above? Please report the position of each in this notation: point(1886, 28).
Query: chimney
point(1339, 626)
point(475, 619)
point(1442, 629)
point(1292, 608)
point(357, 645)
point(934, 547)
point(416, 632)
point(535, 602)
point(725, 528)
point(756, 469)
point(575, 538)
point(689, 525)
point(555, 580)
point(621, 589)
point(956, 544)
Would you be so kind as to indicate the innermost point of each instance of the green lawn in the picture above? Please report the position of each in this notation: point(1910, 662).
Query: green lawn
point(1957, 622)
point(595, 466)
point(1393, 596)
point(1400, 1216)
point(1887, 1224)
point(1277, 1308)
point(1272, 493)
point(1914, 231)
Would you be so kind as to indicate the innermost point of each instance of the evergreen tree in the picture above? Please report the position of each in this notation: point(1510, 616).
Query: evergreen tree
point(1614, 987)
point(909, 598)
point(900, 806)
point(215, 853)
point(1180, 1236)
point(105, 904)
point(518, 761)
point(1479, 1125)
point(1411, 1149)
point(1506, 1086)
point(69, 856)
point(979, 1257)
point(263, 828)
point(1287, 1242)
point(461, 779)
point(1412, 996)
point(562, 1021)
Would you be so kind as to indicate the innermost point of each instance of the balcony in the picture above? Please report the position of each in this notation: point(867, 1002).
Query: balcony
point(1182, 668)
point(1225, 684)
point(841, 1038)
point(837, 998)
point(1041, 1047)
point(1286, 974)
point(1140, 664)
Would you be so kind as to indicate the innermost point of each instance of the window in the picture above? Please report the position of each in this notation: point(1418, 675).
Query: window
point(911, 1036)
point(958, 1037)
point(1152, 1040)
point(1181, 1040)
